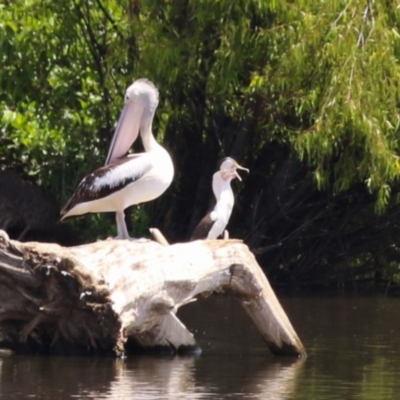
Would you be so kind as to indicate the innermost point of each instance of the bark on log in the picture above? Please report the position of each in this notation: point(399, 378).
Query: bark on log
point(99, 297)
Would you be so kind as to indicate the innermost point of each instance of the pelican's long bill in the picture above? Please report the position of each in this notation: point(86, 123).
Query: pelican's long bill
point(126, 132)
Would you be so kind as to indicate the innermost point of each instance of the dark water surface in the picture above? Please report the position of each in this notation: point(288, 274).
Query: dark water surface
point(353, 346)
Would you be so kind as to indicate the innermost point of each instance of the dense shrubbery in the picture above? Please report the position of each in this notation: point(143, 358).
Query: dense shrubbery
point(305, 94)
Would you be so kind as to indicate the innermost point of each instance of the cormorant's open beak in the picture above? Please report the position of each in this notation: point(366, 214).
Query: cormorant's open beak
point(126, 132)
point(237, 166)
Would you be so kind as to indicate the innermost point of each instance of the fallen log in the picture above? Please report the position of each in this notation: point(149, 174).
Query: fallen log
point(104, 297)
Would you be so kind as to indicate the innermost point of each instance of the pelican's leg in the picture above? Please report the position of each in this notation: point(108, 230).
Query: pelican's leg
point(121, 226)
point(122, 229)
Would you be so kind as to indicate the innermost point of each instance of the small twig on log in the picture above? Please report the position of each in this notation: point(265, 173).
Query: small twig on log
point(158, 236)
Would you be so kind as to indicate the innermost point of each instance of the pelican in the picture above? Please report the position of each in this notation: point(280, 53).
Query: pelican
point(125, 180)
point(213, 224)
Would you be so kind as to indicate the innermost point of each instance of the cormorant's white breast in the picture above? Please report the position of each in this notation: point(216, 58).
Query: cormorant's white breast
point(214, 222)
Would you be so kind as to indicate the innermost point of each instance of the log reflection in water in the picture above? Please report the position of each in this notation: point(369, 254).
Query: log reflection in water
point(145, 377)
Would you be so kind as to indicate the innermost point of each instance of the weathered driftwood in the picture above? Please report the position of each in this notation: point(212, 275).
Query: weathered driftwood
point(104, 296)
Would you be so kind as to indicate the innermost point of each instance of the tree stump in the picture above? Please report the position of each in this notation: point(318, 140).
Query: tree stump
point(100, 297)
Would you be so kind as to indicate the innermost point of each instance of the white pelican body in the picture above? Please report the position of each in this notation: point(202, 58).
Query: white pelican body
point(215, 222)
point(129, 180)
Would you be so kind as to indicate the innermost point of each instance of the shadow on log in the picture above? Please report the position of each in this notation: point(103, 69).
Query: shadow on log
point(100, 297)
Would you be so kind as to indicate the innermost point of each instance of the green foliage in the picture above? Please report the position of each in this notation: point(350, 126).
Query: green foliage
point(337, 72)
point(327, 74)
point(321, 78)
point(55, 96)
